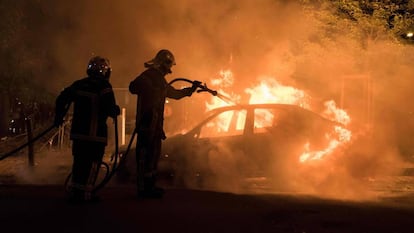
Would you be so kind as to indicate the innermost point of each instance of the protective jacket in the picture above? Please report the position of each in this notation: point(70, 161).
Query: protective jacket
point(152, 90)
point(94, 102)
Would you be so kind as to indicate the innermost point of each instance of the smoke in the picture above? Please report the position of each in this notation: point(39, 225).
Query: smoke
point(373, 82)
point(50, 167)
point(203, 35)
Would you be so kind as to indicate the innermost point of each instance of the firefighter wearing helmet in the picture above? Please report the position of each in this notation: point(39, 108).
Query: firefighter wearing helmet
point(163, 61)
point(99, 67)
point(93, 102)
point(152, 89)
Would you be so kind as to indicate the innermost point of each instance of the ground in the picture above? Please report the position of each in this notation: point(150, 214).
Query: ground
point(43, 209)
point(32, 198)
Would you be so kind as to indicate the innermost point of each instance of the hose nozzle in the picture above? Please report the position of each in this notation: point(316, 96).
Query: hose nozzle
point(203, 87)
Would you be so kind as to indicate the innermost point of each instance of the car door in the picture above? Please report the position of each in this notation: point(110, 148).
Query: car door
point(219, 144)
point(262, 138)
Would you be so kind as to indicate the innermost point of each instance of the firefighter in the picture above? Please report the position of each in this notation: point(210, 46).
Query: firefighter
point(152, 90)
point(94, 102)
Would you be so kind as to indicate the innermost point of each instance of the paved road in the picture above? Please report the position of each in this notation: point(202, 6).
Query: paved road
point(37, 208)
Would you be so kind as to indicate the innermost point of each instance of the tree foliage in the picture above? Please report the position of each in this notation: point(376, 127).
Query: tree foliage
point(366, 20)
point(19, 57)
point(18, 52)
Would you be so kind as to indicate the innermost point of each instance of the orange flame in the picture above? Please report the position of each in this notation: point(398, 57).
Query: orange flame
point(343, 135)
point(271, 91)
point(338, 137)
point(336, 114)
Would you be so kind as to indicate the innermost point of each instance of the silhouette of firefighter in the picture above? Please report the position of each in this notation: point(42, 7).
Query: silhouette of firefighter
point(152, 90)
point(94, 102)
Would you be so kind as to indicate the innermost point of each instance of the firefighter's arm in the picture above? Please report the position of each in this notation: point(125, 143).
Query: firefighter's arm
point(63, 102)
point(178, 94)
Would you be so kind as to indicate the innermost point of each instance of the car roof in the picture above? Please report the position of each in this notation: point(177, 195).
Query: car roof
point(254, 106)
point(249, 107)
point(288, 107)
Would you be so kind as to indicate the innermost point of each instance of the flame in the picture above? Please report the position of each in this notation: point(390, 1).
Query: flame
point(221, 125)
point(336, 114)
point(343, 135)
point(269, 90)
point(226, 79)
point(338, 137)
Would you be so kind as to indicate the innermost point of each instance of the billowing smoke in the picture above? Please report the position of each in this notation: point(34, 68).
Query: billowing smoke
point(372, 82)
point(205, 36)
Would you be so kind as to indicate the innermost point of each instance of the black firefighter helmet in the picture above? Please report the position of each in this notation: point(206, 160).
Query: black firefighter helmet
point(164, 60)
point(99, 67)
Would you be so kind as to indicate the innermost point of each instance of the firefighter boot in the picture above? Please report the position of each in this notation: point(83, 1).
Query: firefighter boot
point(76, 196)
point(150, 190)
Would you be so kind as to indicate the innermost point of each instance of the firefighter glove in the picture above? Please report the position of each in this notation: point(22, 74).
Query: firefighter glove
point(188, 91)
point(196, 84)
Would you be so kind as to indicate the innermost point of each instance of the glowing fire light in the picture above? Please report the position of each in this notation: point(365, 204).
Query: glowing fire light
point(343, 135)
point(336, 114)
point(222, 122)
point(271, 91)
point(339, 137)
point(226, 79)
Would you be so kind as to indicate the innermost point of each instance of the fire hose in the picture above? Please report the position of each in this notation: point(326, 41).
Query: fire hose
point(198, 84)
point(27, 143)
point(32, 140)
point(109, 172)
point(114, 158)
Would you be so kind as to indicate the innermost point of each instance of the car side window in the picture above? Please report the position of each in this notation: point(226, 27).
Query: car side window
point(228, 123)
point(266, 118)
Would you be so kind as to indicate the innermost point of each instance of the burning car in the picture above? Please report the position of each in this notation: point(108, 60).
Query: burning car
point(238, 143)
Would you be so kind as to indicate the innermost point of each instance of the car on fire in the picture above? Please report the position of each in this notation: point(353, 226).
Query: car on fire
point(236, 143)
point(244, 141)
